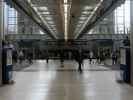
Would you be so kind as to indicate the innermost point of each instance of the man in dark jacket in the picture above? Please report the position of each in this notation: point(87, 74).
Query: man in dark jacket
point(79, 59)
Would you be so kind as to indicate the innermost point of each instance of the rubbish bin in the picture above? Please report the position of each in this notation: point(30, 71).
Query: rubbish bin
point(125, 64)
point(8, 74)
point(124, 73)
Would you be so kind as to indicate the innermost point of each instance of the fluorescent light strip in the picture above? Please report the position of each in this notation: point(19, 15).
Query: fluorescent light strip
point(66, 19)
point(65, 1)
point(66, 8)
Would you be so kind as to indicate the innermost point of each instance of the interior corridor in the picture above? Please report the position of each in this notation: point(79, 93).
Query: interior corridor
point(42, 81)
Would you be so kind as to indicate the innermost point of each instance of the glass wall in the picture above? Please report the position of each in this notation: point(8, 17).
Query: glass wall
point(122, 18)
point(116, 23)
point(11, 14)
point(106, 26)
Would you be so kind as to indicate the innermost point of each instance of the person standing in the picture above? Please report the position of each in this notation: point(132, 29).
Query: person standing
point(47, 56)
point(62, 58)
point(98, 58)
point(30, 57)
point(15, 56)
point(114, 58)
point(80, 61)
point(21, 56)
point(91, 56)
point(126, 42)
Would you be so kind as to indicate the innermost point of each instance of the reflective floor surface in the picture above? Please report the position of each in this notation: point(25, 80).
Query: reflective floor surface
point(42, 81)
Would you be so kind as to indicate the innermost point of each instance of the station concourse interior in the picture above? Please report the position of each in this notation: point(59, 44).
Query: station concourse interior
point(66, 50)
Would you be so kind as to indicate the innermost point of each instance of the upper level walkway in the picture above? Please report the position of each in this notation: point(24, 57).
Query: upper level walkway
point(85, 37)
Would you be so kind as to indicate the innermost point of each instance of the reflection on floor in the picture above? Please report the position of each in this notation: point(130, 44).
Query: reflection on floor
point(43, 81)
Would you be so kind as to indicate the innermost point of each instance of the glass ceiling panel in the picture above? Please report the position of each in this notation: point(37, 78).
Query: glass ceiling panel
point(44, 13)
point(84, 15)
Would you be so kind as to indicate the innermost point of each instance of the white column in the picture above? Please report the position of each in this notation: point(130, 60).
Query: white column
point(131, 39)
point(1, 37)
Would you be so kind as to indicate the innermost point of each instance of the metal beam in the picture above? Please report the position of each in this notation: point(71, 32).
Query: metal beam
point(104, 36)
point(29, 11)
point(106, 7)
point(27, 37)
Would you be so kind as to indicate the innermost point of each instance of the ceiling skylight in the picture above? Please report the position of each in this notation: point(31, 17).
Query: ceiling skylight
point(44, 8)
point(50, 22)
point(80, 22)
point(88, 8)
point(45, 13)
point(82, 18)
point(85, 12)
point(48, 18)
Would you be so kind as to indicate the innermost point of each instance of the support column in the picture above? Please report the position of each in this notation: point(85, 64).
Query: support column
point(1, 37)
point(131, 40)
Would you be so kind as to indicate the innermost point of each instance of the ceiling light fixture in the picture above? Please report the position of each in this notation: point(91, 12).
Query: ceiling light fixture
point(65, 1)
point(66, 19)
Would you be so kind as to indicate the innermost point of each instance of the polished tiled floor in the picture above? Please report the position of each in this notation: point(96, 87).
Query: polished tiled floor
point(43, 81)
